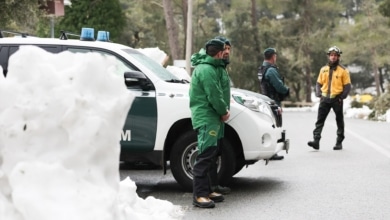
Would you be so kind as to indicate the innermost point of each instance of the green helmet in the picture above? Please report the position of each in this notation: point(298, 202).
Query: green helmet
point(334, 49)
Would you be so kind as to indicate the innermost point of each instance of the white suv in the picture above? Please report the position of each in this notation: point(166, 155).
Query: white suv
point(158, 127)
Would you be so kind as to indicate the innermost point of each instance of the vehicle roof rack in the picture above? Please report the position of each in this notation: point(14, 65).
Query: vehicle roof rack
point(13, 33)
point(64, 35)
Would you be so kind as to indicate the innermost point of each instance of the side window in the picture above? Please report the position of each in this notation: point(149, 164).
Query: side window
point(4, 59)
point(13, 49)
point(51, 48)
point(8, 51)
point(78, 50)
point(120, 66)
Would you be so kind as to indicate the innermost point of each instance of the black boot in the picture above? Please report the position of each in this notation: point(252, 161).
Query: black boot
point(314, 144)
point(338, 146)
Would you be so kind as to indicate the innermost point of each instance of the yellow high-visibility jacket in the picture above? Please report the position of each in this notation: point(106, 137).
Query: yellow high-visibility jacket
point(340, 79)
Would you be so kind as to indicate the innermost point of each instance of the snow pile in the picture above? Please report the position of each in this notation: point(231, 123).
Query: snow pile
point(155, 54)
point(361, 113)
point(179, 72)
point(60, 122)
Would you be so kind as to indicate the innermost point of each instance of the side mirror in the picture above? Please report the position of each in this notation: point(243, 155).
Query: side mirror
point(137, 79)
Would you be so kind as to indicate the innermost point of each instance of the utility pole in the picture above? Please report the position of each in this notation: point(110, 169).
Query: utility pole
point(189, 38)
point(54, 8)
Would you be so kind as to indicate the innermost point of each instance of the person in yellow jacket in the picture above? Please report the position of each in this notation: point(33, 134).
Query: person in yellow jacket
point(333, 86)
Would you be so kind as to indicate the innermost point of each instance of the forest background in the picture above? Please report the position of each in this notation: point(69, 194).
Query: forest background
point(300, 30)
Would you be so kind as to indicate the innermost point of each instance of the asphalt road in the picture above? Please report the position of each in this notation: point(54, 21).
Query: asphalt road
point(350, 184)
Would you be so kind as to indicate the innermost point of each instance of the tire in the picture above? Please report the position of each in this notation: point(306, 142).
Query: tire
point(239, 165)
point(183, 155)
point(227, 161)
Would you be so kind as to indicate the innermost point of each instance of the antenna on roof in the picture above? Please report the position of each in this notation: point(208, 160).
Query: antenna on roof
point(64, 35)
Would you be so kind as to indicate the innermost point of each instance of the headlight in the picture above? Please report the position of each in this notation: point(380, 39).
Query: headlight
point(255, 104)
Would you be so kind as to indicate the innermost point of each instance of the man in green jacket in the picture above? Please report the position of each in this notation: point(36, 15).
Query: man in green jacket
point(209, 103)
point(213, 174)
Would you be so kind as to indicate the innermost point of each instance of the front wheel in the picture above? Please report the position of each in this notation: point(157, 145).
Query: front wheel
point(183, 156)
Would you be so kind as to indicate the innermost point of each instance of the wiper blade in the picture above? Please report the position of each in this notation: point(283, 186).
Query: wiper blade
point(184, 81)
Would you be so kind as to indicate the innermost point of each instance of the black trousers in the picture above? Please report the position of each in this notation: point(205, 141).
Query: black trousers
point(323, 110)
point(213, 172)
point(204, 162)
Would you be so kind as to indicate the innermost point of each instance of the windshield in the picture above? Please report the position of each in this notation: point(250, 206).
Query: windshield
point(155, 67)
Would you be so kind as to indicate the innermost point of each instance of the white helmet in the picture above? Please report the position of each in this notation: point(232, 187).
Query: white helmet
point(334, 49)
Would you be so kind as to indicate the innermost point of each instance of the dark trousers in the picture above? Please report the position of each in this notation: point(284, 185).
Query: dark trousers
point(323, 111)
point(213, 173)
point(203, 164)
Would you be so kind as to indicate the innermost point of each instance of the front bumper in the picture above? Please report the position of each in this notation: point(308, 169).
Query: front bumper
point(284, 141)
point(260, 138)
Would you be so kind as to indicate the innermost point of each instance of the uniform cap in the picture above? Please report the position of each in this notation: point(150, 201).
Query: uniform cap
point(269, 51)
point(218, 44)
point(224, 39)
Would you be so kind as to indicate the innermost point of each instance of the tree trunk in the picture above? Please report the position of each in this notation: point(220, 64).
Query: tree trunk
point(172, 29)
point(377, 80)
point(257, 47)
point(306, 49)
point(297, 88)
point(308, 89)
point(188, 37)
point(184, 4)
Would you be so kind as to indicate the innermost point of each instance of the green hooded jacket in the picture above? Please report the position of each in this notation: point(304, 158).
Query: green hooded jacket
point(209, 90)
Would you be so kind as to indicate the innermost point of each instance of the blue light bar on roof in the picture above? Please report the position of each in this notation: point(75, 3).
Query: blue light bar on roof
point(103, 36)
point(87, 34)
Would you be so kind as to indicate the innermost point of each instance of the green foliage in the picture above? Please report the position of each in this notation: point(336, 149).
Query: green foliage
point(383, 103)
point(384, 8)
point(361, 80)
point(380, 105)
point(20, 15)
point(97, 14)
point(144, 27)
point(301, 31)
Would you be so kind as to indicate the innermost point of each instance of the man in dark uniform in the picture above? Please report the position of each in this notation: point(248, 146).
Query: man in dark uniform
point(272, 83)
point(333, 85)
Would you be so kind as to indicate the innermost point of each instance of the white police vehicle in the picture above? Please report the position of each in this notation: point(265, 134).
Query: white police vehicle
point(158, 127)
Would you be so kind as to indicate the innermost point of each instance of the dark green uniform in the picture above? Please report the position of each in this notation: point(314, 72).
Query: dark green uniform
point(209, 100)
point(209, 93)
point(277, 88)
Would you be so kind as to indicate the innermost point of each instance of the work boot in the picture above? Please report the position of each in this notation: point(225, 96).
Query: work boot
point(216, 197)
point(221, 189)
point(314, 144)
point(338, 146)
point(203, 202)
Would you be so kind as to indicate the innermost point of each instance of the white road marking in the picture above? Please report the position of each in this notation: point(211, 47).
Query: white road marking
point(371, 144)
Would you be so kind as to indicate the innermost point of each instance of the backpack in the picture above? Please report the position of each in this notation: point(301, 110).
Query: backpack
point(265, 86)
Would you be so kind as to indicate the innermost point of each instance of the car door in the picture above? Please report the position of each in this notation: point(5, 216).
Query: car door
point(139, 131)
